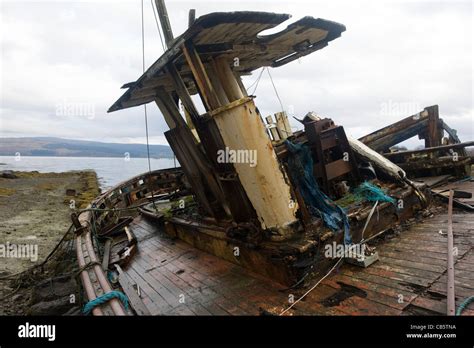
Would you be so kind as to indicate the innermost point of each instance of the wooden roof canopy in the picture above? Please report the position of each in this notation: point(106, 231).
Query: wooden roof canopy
point(234, 34)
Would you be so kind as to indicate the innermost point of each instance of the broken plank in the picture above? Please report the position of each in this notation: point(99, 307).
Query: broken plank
point(135, 300)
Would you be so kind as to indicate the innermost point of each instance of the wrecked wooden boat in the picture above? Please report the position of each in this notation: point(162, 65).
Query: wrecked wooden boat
point(253, 206)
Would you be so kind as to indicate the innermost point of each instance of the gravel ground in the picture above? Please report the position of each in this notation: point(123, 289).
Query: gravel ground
point(35, 213)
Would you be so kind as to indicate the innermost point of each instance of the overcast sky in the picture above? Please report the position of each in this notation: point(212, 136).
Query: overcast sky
point(63, 63)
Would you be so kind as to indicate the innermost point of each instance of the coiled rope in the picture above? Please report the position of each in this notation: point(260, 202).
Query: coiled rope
point(104, 299)
point(464, 305)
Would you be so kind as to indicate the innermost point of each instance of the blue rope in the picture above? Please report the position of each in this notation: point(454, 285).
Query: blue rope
point(104, 299)
point(110, 276)
point(464, 304)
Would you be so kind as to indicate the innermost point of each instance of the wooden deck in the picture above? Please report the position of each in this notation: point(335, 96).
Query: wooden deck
point(409, 278)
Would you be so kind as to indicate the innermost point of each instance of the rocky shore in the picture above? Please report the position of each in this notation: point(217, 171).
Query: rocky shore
point(35, 213)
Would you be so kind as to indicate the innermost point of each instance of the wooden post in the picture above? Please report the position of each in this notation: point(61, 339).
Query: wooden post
point(241, 84)
point(273, 128)
point(182, 92)
point(281, 126)
point(228, 80)
point(433, 137)
point(206, 89)
point(164, 21)
point(283, 123)
point(192, 159)
point(216, 83)
point(191, 17)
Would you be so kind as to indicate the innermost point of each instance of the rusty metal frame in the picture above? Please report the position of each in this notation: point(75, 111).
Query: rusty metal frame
point(450, 287)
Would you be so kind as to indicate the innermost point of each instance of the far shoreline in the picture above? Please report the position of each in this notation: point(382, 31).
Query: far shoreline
point(110, 170)
point(55, 156)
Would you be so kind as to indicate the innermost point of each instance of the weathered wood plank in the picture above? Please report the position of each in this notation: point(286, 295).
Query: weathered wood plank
point(135, 300)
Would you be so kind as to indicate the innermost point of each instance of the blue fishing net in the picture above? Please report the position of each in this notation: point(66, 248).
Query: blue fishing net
point(300, 164)
point(372, 193)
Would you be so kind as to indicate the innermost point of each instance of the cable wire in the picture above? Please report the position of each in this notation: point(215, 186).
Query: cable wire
point(146, 115)
point(276, 92)
point(258, 80)
point(158, 26)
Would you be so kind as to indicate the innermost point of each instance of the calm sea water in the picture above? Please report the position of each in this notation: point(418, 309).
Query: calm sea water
point(110, 171)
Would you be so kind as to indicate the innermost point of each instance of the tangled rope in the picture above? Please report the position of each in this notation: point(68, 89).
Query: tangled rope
point(87, 266)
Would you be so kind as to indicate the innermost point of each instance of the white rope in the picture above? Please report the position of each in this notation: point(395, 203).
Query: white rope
point(337, 263)
point(314, 286)
point(368, 220)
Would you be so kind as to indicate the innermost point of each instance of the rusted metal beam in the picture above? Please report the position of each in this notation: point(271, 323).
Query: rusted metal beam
point(451, 297)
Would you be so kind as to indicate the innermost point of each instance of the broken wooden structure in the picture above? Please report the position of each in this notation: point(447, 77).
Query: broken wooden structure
point(444, 153)
point(258, 209)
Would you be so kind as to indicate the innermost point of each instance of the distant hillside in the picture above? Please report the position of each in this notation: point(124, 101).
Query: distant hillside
point(77, 148)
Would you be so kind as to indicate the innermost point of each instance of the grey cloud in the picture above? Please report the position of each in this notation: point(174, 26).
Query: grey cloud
point(408, 52)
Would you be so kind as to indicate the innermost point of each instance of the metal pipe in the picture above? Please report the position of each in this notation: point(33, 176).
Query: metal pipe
point(451, 297)
point(114, 303)
point(86, 281)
